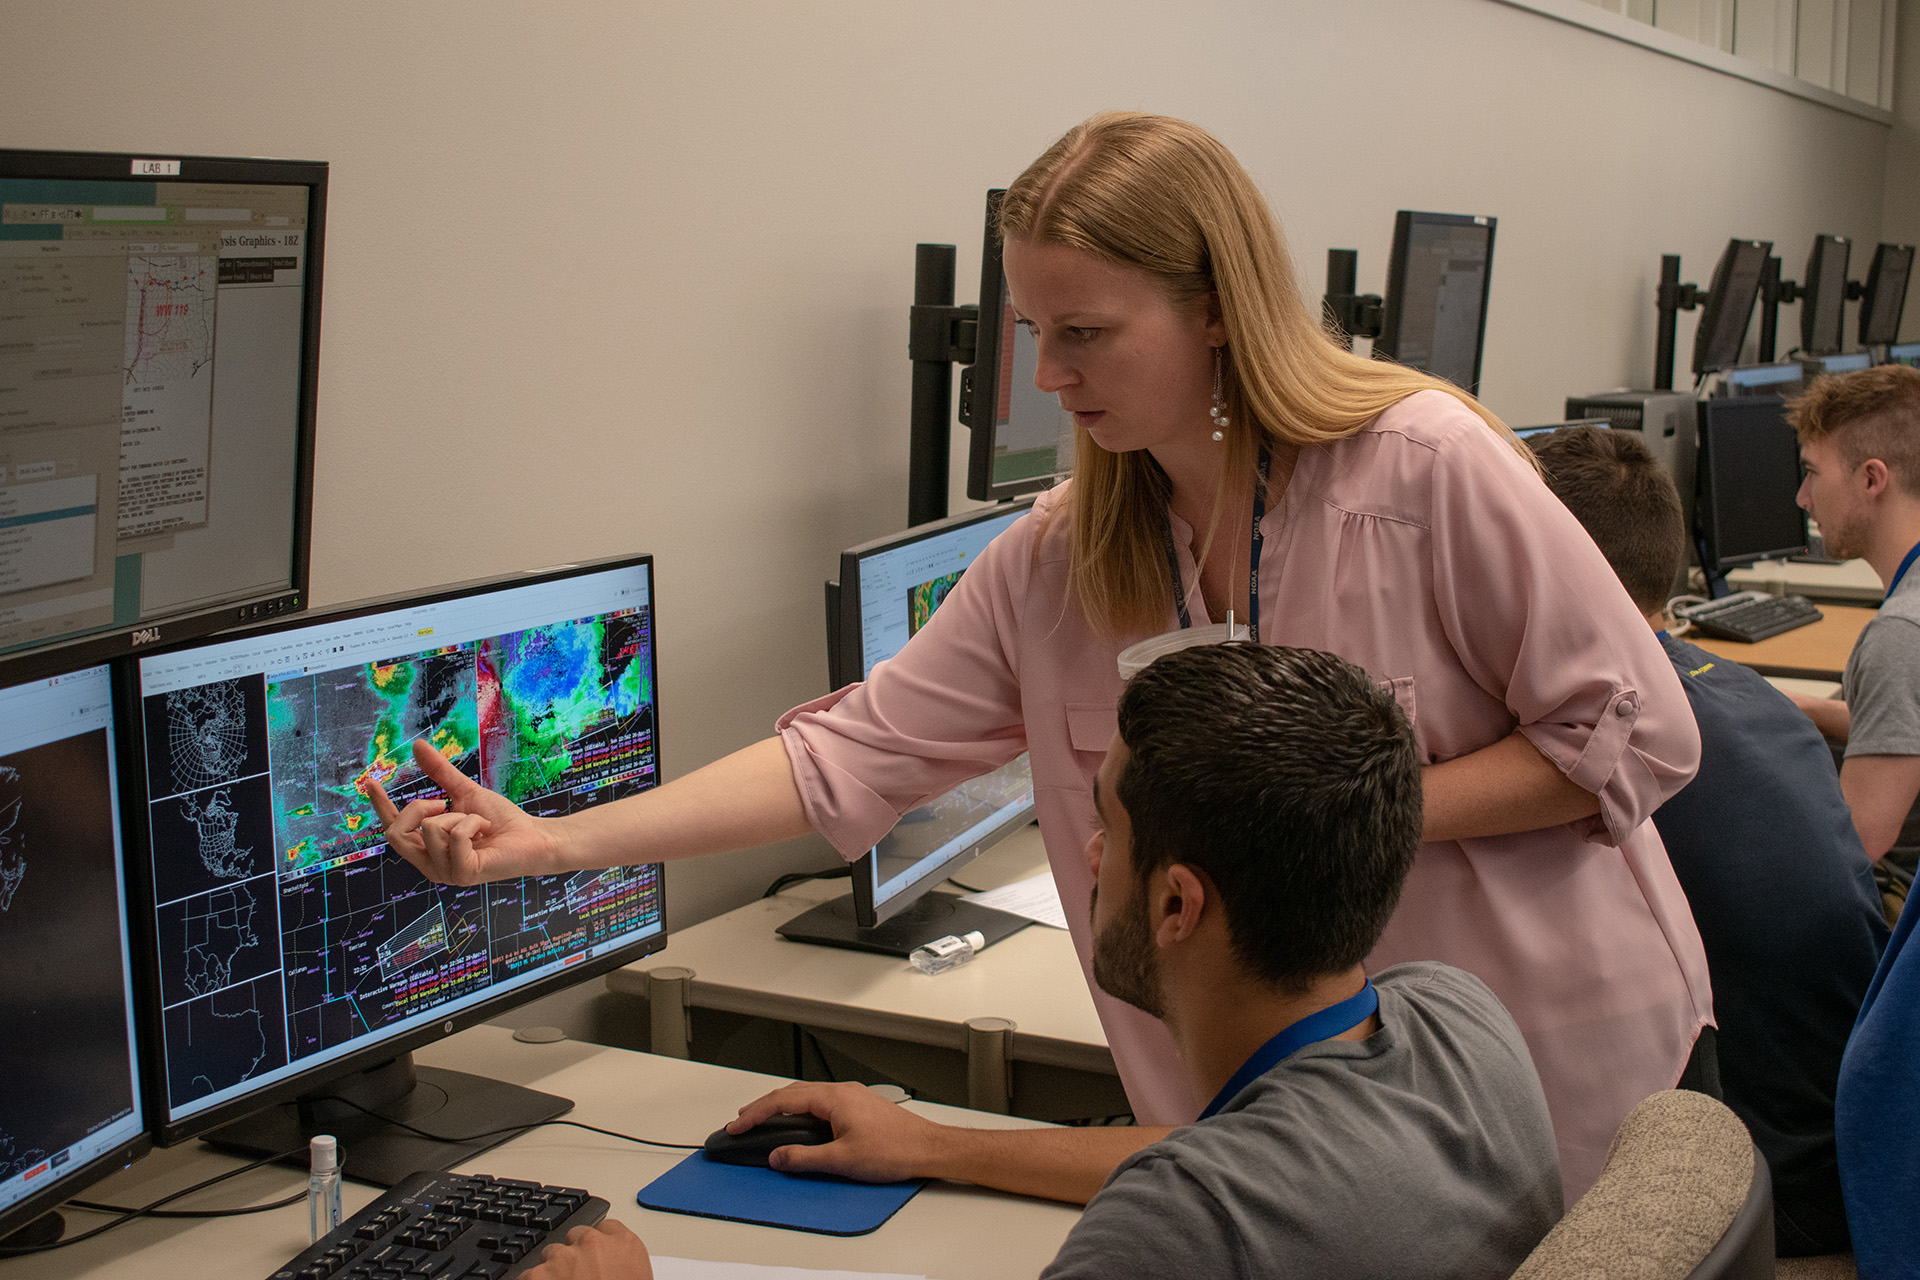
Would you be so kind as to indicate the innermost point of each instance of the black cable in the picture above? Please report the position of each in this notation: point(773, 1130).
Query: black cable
point(146, 1209)
point(516, 1129)
point(96, 1207)
point(797, 877)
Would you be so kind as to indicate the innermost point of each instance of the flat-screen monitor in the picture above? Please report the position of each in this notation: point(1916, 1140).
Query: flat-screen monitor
point(1785, 379)
point(1849, 362)
point(1884, 295)
point(1022, 441)
point(1907, 353)
point(287, 948)
point(1435, 316)
point(1722, 331)
point(1548, 428)
point(889, 589)
point(159, 343)
point(1749, 474)
point(71, 1110)
point(1823, 303)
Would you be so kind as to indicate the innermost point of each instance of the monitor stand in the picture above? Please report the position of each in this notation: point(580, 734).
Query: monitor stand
point(38, 1234)
point(453, 1103)
point(832, 924)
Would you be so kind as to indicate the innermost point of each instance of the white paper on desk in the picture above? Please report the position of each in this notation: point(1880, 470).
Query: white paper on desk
point(1036, 898)
point(696, 1269)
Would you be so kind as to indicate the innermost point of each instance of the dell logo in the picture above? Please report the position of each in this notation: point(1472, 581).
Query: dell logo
point(146, 635)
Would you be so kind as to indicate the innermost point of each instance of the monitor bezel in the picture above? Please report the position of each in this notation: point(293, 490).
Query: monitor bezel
point(1882, 275)
point(1710, 336)
point(118, 641)
point(1392, 315)
point(36, 1204)
point(869, 909)
point(980, 383)
point(1820, 285)
point(1708, 501)
point(167, 1131)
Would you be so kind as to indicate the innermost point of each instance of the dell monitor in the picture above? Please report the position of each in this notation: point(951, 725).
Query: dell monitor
point(1884, 295)
point(889, 589)
point(1823, 303)
point(1749, 476)
point(292, 957)
point(1022, 440)
point(1435, 316)
point(159, 344)
point(1722, 331)
point(70, 1108)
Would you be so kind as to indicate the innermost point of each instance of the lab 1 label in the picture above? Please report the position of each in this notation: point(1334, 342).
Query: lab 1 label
point(156, 168)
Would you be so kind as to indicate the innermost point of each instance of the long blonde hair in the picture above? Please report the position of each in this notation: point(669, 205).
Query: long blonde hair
point(1165, 197)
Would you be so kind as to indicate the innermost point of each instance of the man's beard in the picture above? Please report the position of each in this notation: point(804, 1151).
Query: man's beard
point(1125, 962)
point(1843, 538)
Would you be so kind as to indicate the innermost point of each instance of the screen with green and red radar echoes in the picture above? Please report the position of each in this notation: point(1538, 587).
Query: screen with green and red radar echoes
point(287, 933)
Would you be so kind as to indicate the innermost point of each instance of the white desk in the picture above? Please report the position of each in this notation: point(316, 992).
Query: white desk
point(949, 1231)
point(1031, 979)
point(1853, 582)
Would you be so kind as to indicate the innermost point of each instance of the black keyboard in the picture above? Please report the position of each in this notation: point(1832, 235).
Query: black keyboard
point(448, 1226)
point(1750, 615)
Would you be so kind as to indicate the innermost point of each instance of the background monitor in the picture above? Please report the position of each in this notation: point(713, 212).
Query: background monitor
point(1823, 303)
point(1784, 379)
point(1022, 441)
point(1722, 331)
point(70, 1105)
point(1435, 316)
point(159, 341)
point(1904, 353)
point(1548, 428)
point(287, 949)
point(1850, 362)
point(889, 589)
point(1884, 295)
point(1749, 474)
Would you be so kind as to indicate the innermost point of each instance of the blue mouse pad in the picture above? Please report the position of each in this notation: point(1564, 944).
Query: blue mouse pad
point(765, 1197)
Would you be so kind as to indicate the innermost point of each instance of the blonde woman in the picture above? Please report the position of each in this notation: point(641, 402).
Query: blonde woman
point(1231, 457)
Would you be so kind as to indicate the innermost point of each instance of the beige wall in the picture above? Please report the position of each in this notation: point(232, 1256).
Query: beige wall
point(1900, 207)
point(623, 276)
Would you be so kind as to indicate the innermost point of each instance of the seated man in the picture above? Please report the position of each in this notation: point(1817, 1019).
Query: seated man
point(1860, 444)
point(1763, 845)
point(1260, 809)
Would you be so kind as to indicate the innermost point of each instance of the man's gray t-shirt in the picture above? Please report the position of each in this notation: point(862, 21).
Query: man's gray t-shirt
point(1423, 1150)
point(1882, 687)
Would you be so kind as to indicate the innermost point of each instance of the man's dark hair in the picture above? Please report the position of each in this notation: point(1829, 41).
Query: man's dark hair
point(1627, 502)
point(1289, 779)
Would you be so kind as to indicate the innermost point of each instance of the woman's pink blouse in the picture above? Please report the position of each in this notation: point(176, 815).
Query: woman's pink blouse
point(1423, 549)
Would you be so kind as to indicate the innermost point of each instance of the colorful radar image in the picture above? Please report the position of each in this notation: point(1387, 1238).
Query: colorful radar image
point(286, 929)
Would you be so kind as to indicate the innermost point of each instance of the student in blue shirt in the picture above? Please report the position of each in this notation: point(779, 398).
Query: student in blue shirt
point(1764, 845)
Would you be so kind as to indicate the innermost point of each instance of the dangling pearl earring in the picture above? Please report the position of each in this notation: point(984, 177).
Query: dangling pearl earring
point(1219, 410)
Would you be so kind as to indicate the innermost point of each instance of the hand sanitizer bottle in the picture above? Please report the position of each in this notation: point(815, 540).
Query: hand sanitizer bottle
point(947, 953)
point(323, 1186)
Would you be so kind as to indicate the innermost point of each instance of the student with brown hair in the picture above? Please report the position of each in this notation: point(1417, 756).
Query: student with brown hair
point(1232, 458)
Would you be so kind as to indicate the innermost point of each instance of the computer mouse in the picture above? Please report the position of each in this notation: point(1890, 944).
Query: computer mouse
point(756, 1144)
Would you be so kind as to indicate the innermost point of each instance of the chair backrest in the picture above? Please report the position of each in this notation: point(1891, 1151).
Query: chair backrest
point(1684, 1196)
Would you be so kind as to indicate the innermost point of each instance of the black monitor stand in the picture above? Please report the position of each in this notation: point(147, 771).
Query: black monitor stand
point(473, 1113)
point(832, 924)
point(38, 1234)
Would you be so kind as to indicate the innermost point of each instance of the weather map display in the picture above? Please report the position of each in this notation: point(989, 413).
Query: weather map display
point(66, 1007)
point(287, 934)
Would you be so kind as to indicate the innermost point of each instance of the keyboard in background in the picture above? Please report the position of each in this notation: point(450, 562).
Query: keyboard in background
point(448, 1226)
point(1750, 615)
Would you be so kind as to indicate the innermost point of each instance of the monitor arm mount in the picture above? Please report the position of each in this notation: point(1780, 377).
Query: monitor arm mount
point(939, 336)
point(1349, 315)
point(1773, 292)
point(1671, 298)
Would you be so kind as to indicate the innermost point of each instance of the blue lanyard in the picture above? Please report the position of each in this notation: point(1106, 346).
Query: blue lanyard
point(1901, 572)
point(1253, 560)
point(1324, 1025)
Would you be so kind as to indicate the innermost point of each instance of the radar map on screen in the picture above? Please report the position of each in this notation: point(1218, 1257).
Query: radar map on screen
point(286, 926)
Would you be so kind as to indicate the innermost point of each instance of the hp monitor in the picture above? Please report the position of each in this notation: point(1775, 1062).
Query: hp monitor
point(159, 343)
point(292, 957)
point(1884, 295)
point(889, 589)
point(70, 1108)
point(1823, 303)
point(1729, 307)
point(1022, 441)
point(1749, 476)
point(1436, 307)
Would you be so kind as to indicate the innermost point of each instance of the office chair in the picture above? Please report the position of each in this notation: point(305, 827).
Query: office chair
point(1684, 1196)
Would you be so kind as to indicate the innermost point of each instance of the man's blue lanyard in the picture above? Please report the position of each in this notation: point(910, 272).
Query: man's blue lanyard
point(1901, 572)
point(1324, 1025)
point(1253, 569)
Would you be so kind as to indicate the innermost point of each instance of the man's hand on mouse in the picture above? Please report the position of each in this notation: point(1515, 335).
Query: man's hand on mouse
point(873, 1140)
point(609, 1251)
